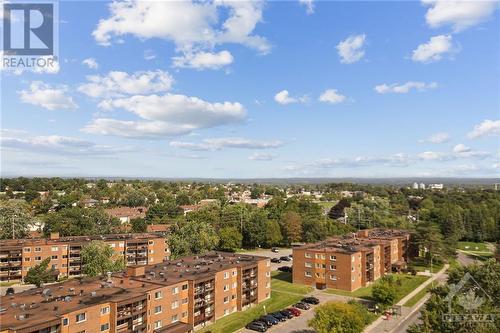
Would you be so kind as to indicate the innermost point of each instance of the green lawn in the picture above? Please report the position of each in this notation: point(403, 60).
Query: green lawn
point(419, 265)
point(473, 247)
point(283, 294)
point(418, 296)
point(365, 292)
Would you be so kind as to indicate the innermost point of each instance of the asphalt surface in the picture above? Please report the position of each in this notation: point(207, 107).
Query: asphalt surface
point(268, 253)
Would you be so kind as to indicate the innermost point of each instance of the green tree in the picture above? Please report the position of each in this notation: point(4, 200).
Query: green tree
point(76, 221)
point(254, 230)
point(41, 273)
point(31, 195)
point(291, 226)
point(230, 239)
point(138, 225)
point(384, 293)
point(98, 258)
point(273, 233)
point(15, 219)
point(337, 317)
point(194, 237)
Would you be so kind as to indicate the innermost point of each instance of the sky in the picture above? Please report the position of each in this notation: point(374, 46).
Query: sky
point(261, 89)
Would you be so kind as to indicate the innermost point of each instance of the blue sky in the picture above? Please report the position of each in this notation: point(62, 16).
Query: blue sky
point(261, 89)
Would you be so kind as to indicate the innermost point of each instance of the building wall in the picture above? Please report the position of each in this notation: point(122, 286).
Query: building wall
point(173, 302)
point(226, 292)
point(263, 280)
point(90, 324)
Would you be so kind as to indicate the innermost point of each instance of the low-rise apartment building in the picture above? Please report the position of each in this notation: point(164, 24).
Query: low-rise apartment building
point(170, 297)
point(17, 256)
point(352, 261)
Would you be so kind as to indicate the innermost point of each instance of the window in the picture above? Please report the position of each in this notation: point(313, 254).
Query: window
point(307, 255)
point(235, 272)
point(268, 274)
point(158, 295)
point(27, 259)
point(226, 275)
point(333, 267)
point(175, 290)
point(184, 314)
point(234, 285)
point(158, 324)
point(54, 266)
point(333, 258)
point(308, 264)
point(53, 257)
point(38, 249)
point(174, 318)
point(64, 265)
point(268, 263)
point(268, 284)
point(81, 317)
point(175, 304)
point(38, 258)
point(233, 296)
point(226, 287)
point(308, 274)
point(184, 300)
point(352, 269)
point(151, 242)
point(105, 310)
point(185, 286)
point(226, 312)
point(226, 299)
point(353, 278)
point(27, 249)
point(55, 248)
point(105, 327)
point(352, 258)
point(65, 321)
point(333, 277)
point(113, 245)
point(158, 309)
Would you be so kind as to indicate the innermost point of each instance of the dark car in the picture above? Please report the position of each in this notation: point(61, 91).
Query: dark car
point(275, 250)
point(310, 300)
point(269, 320)
point(10, 291)
point(276, 260)
point(296, 312)
point(278, 316)
point(285, 269)
point(287, 314)
point(302, 306)
point(258, 326)
point(285, 258)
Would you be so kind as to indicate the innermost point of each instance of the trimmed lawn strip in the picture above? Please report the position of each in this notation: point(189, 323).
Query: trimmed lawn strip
point(281, 281)
point(418, 265)
point(418, 296)
point(237, 320)
point(471, 246)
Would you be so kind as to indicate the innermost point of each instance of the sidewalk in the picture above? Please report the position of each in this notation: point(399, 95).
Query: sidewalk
point(381, 325)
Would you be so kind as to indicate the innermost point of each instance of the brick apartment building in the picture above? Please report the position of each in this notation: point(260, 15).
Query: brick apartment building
point(169, 297)
point(352, 261)
point(17, 256)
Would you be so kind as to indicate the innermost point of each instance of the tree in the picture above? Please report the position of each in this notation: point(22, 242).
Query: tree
point(138, 225)
point(384, 293)
point(230, 239)
point(291, 224)
point(98, 258)
point(273, 233)
point(337, 317)
point(30, 195)
point(429, 240)
point(15, 219)
point(40, 273)
point(194, 237)
point(254, 230)
point(76, 221)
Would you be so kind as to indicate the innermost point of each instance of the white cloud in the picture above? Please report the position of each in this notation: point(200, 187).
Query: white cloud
point(204, 60)
point(220, 143)
point(434, 49)
point(440, 137)
point(461, 148)
point(351, 49)
point(149, 55)
point(485, 128)
point(309, 4)
point(283, 97)
point(459, 151)
point(331, 96)
point(119, 84)
point(458, 14)
point(404, 88)
point(135, 129)
point(189, 24)
point(51, 98)
point(90, 63)
point(261, 157)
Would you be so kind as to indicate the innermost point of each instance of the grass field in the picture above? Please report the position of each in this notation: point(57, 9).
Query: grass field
point(419, 265)
point(283, 294)
point(473, 247)
point(414, 300)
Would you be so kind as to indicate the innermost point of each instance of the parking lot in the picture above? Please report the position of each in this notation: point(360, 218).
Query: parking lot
point(271, 254)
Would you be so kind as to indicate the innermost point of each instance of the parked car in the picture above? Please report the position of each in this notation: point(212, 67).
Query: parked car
point(291, 255)
point(287, 314)
point(269, 320)
point(275, 250)
point(302, 306)
point(278, 316)
point(310, 300)
point(285, 258)
point(296, 312)
point(285, 269)
point(10, 291)
point(276, 260)
point(258, 326)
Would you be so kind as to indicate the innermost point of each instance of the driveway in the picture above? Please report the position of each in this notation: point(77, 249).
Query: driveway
point(268, 253)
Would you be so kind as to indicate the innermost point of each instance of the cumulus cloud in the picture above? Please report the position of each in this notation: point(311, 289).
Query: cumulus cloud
point(485, 128)
point(351, 49)
point(434, 50)
point(90, 63)
point(283, 97)
point(135, 129)
point(405, 87)
point(458, 14)
point(309, 5)
point(331, 96)
point(262, 157)
point(461, 148)
point(204, 60)
point(440, 137)
point(119, 84)
point(459, 151)
point(221, 143)
point(46, 96)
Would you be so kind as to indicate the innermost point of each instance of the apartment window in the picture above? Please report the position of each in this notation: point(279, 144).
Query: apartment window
point(175, 318)
point(307, 255)
point(333, 267)
point(38, 249)
point(333, 258)
point(54, 266)
point(38, 258)
point(308, 274)
point(175, 304)
point(226, 287)
point(184, 314)
point(268, 263)
point(151, 251)
point(353, 278)
point(268, 274)
point(157, 309)
point(322, 256)
point(352, 258)
point(157, 324)
point(121, 244)
point(184, 300)
point(27, 249)
point(158, 295)
point(53, 257)
point(105, 310)
point(268, 284)
point(226, 299)
point(27, 259)
point(226, 312)
point(226, 275)
point(81, 317)
point(175, 290)
point(235, 272)
point(308, 264)
point(185, 286)
point(65, 321)
point(105, 327)
point(234, 285)
point(333, 277)
point(233, 296)
point(55, 248)
point(113, 245)
point(64, 265)
point(65, 256)
point(352, 269)
point(151, 242)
